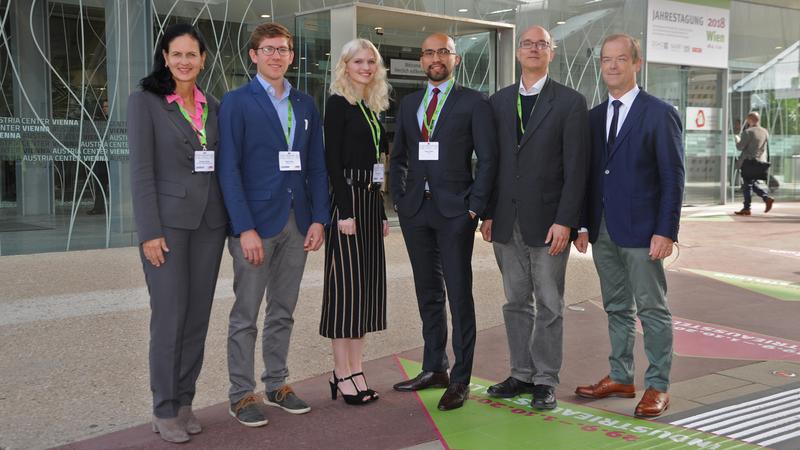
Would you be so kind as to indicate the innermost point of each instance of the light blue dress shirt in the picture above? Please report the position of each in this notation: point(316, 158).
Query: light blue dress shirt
point(281, 105)
point(424, 106)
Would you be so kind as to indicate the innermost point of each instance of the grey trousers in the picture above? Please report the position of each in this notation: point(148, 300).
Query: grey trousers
point(181, 294)
point(533, 282)
point(279, 277)
point(632, 285)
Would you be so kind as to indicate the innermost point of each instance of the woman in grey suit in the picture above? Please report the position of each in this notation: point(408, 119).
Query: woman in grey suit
point(180, 220)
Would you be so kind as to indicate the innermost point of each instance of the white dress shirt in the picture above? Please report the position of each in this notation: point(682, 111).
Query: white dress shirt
point(535, 89)
point(627, 100)
point(423, 106)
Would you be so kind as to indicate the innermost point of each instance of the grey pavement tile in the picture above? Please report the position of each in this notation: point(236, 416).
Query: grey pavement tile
point(731, 393)
point(762, 372)
point(433, 445)
point(705, 385)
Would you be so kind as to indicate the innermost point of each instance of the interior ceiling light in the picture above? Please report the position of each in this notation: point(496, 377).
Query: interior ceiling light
point(265, 16)
point(463, 10)
point(500, 11)
point(561, 22)
point(779, 47)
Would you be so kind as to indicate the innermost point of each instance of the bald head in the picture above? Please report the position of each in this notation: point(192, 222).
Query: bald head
point(436, 40)
point(535, 33)
point(534, 53)
point(438, 57)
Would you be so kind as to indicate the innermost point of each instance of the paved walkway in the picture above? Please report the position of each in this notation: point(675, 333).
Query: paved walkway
point(73, 340)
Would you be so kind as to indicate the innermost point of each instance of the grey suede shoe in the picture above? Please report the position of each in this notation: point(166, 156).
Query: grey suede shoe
point(170, 430)
point(189, 421)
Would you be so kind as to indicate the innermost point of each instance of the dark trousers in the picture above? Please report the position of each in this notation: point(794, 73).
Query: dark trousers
point(181, 294)
point(440, 250)
point(748, 187)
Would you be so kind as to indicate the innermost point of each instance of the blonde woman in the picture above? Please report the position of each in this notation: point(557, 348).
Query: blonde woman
point(354, 298)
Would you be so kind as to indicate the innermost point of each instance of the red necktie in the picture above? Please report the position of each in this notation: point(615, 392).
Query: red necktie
point(429, 113)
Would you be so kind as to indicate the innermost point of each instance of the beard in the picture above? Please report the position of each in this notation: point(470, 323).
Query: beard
point(434, 76)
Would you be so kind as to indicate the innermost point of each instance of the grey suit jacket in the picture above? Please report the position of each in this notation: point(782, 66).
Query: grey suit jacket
point(166, 191)
point(541, 180)
point(753, 145)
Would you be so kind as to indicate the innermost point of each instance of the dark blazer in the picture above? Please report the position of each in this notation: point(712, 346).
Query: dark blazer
point(257, 194)
point(640, 180)
point(465, 124)
point(164, 187)
point(542, 180)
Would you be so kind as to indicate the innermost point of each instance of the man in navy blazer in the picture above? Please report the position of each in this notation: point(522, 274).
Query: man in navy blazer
point(274, 182)
point(632, 212)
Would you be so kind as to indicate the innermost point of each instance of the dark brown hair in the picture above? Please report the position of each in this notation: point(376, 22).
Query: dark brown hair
point(270, 30)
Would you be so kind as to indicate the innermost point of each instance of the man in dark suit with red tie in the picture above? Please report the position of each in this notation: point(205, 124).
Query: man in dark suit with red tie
point(632, 213)
point(438, 202)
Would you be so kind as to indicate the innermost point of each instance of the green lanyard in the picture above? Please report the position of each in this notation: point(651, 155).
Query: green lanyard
point(519, 106)
point(201, 133)
point(288, 131)
point(430, 126)
point(374, 128)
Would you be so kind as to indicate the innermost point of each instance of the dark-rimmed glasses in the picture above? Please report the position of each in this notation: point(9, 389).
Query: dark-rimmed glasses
point(270, 50)
point(539, 45)
point(443, 52)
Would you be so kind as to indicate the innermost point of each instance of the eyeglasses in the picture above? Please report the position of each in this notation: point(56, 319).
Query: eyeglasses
point(270, 50)
point(443, 52)
point(539, 45)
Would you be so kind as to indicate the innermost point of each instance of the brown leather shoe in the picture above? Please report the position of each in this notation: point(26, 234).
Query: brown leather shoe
point(769, 201)
point(454, 397)
point(606, 388)
point(424, 380)
point(743, 212)
point(652, 404)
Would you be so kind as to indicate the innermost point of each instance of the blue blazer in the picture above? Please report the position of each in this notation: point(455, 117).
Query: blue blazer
point(639, 182)
point(257, 194)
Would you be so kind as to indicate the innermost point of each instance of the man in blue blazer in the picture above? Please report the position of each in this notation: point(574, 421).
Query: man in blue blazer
point(632, 212)
point(275, 185)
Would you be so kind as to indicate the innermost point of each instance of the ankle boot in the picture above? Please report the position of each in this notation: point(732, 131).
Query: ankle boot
point(170, 430)
point(189, 421)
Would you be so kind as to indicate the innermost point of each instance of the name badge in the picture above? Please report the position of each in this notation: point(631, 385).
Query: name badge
point(204, 161)
point(289, 161)
point(377, 173)
point(428, 151)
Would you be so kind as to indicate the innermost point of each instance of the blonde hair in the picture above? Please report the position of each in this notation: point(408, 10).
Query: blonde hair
point(376, 93)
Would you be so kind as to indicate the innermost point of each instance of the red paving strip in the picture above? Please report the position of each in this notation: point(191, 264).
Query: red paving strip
point(394, 421)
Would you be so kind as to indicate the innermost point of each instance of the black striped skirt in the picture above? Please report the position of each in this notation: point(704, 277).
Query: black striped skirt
point(354, 297)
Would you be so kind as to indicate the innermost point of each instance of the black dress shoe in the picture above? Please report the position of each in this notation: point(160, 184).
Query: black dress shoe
point(512, 387)
point(544, 397)
point(454, 397)
point(424, 380)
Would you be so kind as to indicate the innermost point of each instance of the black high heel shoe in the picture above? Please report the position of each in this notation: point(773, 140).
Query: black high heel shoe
point(357, 399)
point(370, 392)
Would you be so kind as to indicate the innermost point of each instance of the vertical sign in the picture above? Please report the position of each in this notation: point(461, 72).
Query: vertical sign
point(688, 32)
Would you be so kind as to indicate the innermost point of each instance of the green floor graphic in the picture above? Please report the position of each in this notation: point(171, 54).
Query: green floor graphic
point(779, 289)
point(486, 423)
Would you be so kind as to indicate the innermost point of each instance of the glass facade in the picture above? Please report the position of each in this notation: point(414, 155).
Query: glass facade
point(67, 67)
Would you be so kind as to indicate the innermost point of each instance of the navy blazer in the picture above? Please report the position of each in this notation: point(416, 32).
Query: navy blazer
point(639, 182)
point(257, 194)
point(465, 125)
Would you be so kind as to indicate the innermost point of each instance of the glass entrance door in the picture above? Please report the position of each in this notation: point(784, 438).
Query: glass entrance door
point(697, 93)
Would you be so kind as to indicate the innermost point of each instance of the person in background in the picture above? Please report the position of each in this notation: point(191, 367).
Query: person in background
point(753, 144)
